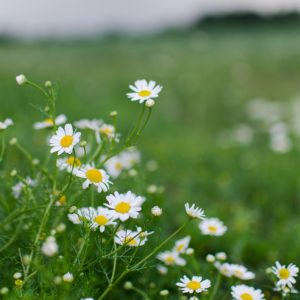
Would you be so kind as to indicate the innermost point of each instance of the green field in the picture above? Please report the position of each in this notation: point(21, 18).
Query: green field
point(208, 76)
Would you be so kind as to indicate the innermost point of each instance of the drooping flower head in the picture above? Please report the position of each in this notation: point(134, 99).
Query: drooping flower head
point(47, 123)
point(171, 258)
point(194, 212)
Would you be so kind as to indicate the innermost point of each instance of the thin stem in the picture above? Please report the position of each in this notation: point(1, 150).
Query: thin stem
point(38, 87)
point(216, 287)
point(114, 266)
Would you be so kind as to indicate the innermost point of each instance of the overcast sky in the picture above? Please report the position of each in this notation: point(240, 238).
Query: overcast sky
point(39, 18)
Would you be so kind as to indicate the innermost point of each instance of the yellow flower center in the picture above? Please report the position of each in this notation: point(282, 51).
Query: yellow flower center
point(101, 220)
point(246, 296)
point(284, 273)
point(169, 260)
point(122, 207)
point(73, 161)
point(49, 121)
point(66, 141)
point(107, 130)
point(194, 285)
point(118, 166)
point(62, 199)
point(130, 241)
point(212, 229)
point(180, 247)
point(144, 93)
point(94, 175)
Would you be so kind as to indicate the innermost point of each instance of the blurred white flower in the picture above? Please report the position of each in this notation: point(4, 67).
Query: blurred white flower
point(212, 226)
point(6, 123)
point(156, 211)
point(182, 244)
point(59, 120)
point(68, 277)
point(21, 79)
point(50, 247)
point(171, 258)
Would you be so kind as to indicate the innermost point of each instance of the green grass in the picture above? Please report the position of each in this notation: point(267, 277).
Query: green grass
point(208, 76)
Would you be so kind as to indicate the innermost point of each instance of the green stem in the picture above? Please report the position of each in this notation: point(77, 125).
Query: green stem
point(216, 287)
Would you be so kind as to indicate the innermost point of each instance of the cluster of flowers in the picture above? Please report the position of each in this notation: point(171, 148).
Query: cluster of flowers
point(279, 121)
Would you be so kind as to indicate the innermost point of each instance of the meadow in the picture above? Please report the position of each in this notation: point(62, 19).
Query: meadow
point(209, 75)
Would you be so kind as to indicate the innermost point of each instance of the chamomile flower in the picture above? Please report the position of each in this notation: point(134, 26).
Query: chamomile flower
point(69, 163)
point(59, 120)
point(18, 188)
point(244, 292)
point(143, 90)
point(94, 176)
point(50, 247)
point(124, 161)
point(225, 268)
point(171, 258)
point(212, 226)
point(88, 124)
point(124, 206)
point(64, 140)
point(6, 123)
point(194, 212)
point(193, 285)
point(182, 244)
point(241, 272)
point(81, 215)
point(100, 218)
point(129, 238)
point(285, 274)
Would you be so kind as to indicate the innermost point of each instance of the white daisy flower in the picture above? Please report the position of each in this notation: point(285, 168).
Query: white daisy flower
point(6, 123)
point(64, 140)
point(108, 131)
point(100, 218)
point(285, 274)
point(194, 285)
point(171, 258)
point(59, 120)
point(82, 215)
point(50, 247)
point(69, 163)
point(244, 292)
point(212, 226)
point(182, 244)
point(124, 161)
point(162, 269)
point(17, 189)
point(131, 238)
point(68, 277)
point(125, 206)
point(88, 124)
point(94, 176)
point(241, 272)
point(285, 291)
point(225, 269)
point(194, 212)
point(142, 90)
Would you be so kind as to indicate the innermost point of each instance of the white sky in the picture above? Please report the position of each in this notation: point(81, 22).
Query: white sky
point(31, 18)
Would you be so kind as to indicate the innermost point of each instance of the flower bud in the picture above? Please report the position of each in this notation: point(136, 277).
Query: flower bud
point(21, 79)
point(48, 83)
point(156, 211)
point(164, 292)
point(17, 275)
point(114, 113)
point(13, 141)
point(128, 285)
point(221, 256)
point(150, 103)
point(210, 258)
point(4, 290)
point(68, 277)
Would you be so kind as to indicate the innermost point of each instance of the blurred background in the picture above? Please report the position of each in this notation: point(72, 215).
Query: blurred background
point(226, 127)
